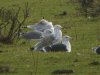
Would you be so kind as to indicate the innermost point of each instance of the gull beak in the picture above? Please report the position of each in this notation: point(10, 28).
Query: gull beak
point(61, 27)
point(68, 37)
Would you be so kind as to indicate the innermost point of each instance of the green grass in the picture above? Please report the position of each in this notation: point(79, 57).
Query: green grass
point(85, 34)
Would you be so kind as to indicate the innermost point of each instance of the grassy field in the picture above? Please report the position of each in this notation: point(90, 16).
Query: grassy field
point(85, 33)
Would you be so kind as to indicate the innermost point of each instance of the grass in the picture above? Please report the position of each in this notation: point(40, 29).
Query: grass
point(84, 32)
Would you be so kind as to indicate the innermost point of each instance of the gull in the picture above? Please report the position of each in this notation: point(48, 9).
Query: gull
point(30, 35)
point(58, 34)
point(64, 46)
point(66, 41)
point(38, 28)
point(45, 41)
point(41, 26)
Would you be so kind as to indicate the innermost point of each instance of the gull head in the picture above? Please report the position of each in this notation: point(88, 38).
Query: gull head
point(58, 26)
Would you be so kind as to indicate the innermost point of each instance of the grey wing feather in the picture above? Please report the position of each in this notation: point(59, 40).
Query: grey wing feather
point(32, 35)
point(45, 42)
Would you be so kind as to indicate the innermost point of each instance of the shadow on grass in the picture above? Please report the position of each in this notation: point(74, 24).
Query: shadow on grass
point(63, 72)
point(94, 63)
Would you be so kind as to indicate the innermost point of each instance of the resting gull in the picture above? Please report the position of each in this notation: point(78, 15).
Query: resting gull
point(58, 34)
point(30, 35)
point(41, 26)
point(64, 46)
point(46, 40)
